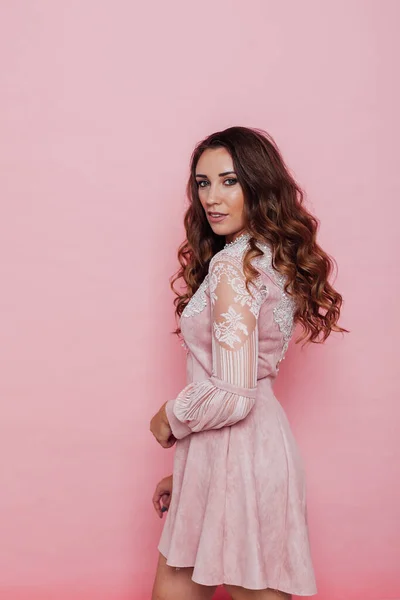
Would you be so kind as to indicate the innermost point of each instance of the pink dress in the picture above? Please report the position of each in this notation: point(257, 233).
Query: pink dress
point(238, 511)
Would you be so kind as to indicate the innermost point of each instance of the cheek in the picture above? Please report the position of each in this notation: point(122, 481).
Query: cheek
point(202, 201)
point(237, 200)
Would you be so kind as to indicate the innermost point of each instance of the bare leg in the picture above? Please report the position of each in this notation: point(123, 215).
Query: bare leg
point(239, 593)
point(172, 584)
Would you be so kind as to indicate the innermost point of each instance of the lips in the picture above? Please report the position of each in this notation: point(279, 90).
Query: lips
point(215, 217)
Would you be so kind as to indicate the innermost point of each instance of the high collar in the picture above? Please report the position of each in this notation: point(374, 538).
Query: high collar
point(241, 239)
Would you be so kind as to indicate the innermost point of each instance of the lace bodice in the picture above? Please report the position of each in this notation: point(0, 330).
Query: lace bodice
point(228, 394)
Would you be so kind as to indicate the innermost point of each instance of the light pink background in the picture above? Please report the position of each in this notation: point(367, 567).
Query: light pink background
point(101, 104)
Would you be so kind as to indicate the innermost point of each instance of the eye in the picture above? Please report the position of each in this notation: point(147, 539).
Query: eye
point(200, 182)
point(231, 179)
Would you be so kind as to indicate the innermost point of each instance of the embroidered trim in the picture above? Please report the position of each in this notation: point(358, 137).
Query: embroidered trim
point(198, 301)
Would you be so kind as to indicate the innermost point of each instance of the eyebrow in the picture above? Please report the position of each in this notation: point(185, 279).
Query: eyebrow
point(219, 174)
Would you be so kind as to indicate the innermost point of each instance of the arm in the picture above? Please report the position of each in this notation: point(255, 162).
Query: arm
point(229, 394)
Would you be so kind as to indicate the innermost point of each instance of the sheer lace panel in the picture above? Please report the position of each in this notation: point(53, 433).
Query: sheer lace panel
point(228, 395)
point(235, 335)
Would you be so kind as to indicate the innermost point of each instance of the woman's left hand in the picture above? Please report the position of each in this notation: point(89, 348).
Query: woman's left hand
point(159, 427)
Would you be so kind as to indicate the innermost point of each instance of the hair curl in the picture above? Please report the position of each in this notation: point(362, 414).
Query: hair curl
point(274, 213)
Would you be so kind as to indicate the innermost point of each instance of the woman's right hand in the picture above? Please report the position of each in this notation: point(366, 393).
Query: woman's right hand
point(162, 493)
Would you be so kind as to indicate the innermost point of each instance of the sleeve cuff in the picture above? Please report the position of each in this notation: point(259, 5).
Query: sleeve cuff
point(179, 429)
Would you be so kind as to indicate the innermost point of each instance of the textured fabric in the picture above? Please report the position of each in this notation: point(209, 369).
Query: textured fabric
point(238, 510)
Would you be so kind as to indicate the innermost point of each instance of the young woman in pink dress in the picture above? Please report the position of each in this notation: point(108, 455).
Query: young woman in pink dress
point(237, 512)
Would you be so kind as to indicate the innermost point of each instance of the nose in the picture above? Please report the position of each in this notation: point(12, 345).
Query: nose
point(212, 196)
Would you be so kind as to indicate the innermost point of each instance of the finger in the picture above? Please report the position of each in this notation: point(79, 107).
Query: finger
point(157, 507)
point(156, 502)
point(166, 499)
point(167, 443)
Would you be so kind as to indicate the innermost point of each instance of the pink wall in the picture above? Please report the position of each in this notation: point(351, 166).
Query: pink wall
point(101, 104)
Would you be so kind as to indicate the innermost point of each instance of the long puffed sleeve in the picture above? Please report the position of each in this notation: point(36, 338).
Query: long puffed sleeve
point(228, 395)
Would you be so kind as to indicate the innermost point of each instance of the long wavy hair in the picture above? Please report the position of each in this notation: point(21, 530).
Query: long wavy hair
point(274, 213)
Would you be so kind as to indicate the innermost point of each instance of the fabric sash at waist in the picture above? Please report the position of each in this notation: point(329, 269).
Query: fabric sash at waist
point(234, 389)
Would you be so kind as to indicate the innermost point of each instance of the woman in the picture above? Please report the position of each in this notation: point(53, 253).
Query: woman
point(253, 269)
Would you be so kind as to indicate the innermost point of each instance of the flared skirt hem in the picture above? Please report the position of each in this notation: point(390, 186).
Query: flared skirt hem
point(265, 585)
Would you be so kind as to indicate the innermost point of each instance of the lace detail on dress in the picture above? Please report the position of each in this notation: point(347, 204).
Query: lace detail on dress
point(283, 314)
point(238, 284)
point(226, 331)
point(228, 262)
point(198, 301)
point(238, 246)
point(235, 312)
point(284, 310)
point(229, 394)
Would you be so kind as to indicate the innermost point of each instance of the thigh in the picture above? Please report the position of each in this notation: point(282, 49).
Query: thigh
point(172, 584)
point(239, 593)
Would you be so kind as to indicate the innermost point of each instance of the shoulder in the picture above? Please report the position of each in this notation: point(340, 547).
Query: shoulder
point(234, 254)
point(227, 281)
point(229, 261)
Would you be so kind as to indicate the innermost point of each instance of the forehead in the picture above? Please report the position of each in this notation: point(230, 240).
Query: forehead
point(214, 161)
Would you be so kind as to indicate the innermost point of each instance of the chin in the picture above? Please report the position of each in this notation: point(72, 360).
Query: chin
point(226, 230)
point(220, 231)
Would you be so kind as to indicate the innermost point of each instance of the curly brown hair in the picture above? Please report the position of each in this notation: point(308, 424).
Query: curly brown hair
point(274, 214)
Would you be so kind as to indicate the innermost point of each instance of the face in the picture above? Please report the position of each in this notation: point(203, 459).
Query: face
point(220, 193)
